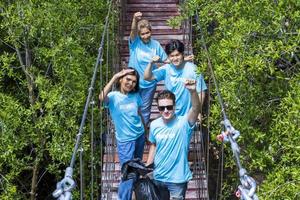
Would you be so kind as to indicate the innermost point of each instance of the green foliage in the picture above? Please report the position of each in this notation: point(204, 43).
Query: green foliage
point(254, 48)
point(48, 51)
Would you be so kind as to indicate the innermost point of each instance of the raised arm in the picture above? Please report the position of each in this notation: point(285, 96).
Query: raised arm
point(195, 109)
point(134, 32)
point(189, 58)
point(201, 96)
point(108, 86)
point(148, 76)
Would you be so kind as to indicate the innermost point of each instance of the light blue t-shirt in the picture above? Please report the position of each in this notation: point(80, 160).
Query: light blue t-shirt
point(172, 146)
point(174, 81)
point(124, 113)
point(140, 56)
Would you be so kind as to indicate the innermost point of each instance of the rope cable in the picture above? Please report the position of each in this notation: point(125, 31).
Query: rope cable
point(199, 164)
point(99, 61)
point(199, 139)
point(211, 70)
point(218, 191)
point(208, 135)
point(248, 185)
point(81, 172)
point(67, 184)
point(92, 150)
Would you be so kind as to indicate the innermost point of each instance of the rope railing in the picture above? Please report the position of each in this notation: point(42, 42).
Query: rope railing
point(199, 164)
point(246, 191)
point(92, 151)
point(67, 184)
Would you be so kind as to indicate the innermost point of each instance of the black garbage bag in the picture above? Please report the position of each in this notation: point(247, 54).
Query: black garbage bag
point(145, 189)
point(133, 169)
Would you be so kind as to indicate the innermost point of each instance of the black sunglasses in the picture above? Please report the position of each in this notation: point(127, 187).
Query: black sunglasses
point(162, 108)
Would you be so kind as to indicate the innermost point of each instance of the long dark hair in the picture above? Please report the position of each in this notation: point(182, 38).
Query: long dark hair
point(134, 73)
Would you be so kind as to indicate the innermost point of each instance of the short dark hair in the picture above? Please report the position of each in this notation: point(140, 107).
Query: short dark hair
point(166, 94)
point(134, 73)
point(174, 45)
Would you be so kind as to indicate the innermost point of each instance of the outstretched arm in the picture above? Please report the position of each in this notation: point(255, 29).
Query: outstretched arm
point(108, 86)
point(195, 109)
point(134, 32)
point(148, 76)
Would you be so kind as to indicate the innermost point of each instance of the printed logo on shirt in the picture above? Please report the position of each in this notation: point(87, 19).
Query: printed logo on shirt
point(165, 136)
point(129, 106)
point(145, 55)
point(177, 79)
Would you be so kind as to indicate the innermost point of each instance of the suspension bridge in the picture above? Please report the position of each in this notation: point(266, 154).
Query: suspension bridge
point(157, 12)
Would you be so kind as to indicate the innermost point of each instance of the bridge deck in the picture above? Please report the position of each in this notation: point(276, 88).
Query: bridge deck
point(157, 12)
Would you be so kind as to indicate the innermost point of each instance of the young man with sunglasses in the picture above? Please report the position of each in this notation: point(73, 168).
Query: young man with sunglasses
point(170, 138)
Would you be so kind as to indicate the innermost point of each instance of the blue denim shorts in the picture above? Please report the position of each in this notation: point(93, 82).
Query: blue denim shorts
point(177, 190)
point(127, 151)
point(147, 95)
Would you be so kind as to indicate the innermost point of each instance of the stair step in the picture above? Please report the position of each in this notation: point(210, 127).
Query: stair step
point(155, 24)
point(152, 2)
point(145, 7)
point(114, 157)
point(152, 18)
point(163, 37)
point(157, 12)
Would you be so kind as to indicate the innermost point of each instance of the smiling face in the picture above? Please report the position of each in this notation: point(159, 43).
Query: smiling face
point(176, 58)
point(145, 35)
point(127, 83)
point(166, 109)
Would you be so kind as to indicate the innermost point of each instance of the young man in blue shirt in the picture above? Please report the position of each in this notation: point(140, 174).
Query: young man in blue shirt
point(170, 137)
point(174, 74)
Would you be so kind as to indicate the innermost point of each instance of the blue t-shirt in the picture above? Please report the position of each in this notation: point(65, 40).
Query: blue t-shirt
point(172, 145)
point(124, 113)
point(141, 54)
point(174, 81)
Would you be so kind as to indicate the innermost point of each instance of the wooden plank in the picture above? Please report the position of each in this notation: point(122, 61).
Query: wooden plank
point(143, 5)
point(161, 32)
point(156, 27)
point(152, 1)
point(153, 23)
point(162, 42)
point(114, 157)
point(148, 10)
point(150, 18)
point(146, 15)
point(163, 37)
